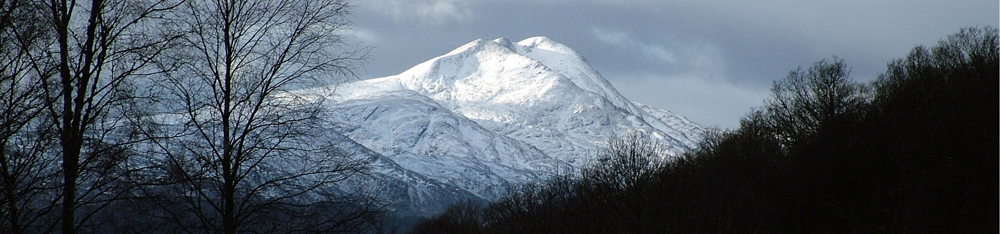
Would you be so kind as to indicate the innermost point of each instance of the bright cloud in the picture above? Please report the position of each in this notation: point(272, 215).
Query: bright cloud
point(364, 35)
point(433, 12)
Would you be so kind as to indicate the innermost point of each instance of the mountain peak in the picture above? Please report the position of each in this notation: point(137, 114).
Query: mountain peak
point(505, 43)
point(500, 55)
point(539, 48)
point(491, 114)
point(472, 45)
point(531, 44)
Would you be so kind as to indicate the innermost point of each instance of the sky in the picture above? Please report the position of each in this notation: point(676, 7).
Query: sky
point(709, 60)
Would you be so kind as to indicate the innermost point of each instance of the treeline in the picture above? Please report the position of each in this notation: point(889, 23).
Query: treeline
point(913, 152)
point(172, 116)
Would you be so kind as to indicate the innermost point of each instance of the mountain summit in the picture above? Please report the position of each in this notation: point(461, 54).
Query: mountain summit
point(490, 114)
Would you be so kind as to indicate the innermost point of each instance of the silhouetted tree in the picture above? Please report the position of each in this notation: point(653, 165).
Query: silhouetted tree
point(620, 181)
point(98, 47)
point(461, 217)
point(546, 207)
point(26, 163)
point(937, 115)
point(805, 100)
point(248, 154)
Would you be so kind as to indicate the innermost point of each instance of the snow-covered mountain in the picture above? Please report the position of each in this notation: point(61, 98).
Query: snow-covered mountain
point(490, 114)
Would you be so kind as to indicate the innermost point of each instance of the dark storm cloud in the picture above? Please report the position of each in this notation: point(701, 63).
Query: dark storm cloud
point(708, 60)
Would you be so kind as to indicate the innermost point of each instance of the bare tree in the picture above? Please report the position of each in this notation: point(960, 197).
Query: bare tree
point(621, 181)
point(99, 47)
point(248, 153)
point(26, 163)
point(807, 99)
point(462, 217)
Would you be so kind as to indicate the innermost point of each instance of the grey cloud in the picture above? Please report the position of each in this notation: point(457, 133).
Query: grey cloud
point(653, 51)
point(710, 102)
point(435, 12)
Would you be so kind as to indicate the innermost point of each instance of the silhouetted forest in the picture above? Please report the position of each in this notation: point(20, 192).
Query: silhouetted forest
point(913, 152)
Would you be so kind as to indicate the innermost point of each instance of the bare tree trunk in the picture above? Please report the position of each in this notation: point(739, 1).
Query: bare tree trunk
point(70, 138)
point(9, 181)
point(228, 167)
point(70, 166)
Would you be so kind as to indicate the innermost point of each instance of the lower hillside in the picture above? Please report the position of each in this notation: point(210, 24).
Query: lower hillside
point(914, 151)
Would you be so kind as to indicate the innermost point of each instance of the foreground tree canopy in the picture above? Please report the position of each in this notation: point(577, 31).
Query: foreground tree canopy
point(914, 151)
